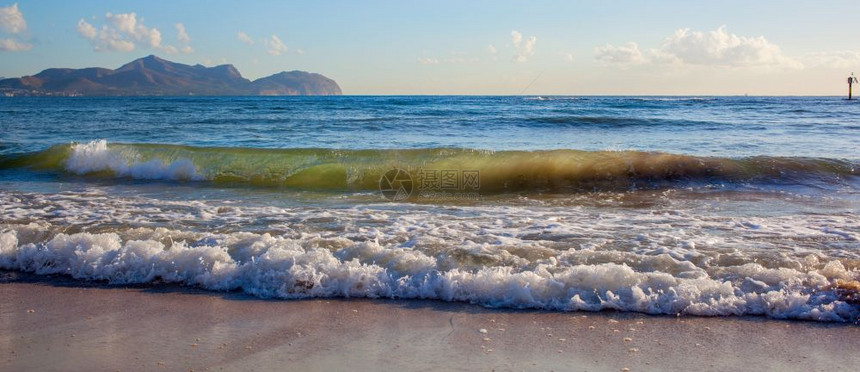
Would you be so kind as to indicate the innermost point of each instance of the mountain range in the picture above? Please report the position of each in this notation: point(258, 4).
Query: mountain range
point(154, 76)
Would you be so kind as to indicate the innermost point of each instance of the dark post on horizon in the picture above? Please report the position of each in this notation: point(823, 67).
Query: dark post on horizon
point(851, 81)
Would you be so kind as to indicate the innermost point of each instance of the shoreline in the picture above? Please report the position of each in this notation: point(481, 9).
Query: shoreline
point(59, 323)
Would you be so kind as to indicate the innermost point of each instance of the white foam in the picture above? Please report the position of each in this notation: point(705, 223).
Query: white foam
point(565, 258)
point(96, 156)
point(279, 267)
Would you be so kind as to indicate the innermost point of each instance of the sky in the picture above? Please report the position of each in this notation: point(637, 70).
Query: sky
point(461, 47)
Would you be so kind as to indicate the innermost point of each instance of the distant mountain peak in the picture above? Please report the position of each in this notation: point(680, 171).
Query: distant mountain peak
point(152, 75)
point(296, 83)
point(228, 69)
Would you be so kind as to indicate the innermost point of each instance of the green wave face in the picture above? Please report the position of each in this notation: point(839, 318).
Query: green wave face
point(442, 169)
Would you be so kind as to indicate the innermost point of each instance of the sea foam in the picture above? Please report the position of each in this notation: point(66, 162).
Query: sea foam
point(96, 156)
point(278, 267)
point(678, 258)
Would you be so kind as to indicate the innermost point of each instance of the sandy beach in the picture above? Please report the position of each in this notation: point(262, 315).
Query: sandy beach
point(55, 323)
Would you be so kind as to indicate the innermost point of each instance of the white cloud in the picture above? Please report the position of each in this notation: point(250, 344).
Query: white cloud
point(181, 34)
point(627, 54)
point(721, 48)
point(659, 56)
point(492, 49)
point(842, 59)
point(12, 20)
point(9, 45)
point(128, 24)
point(275, 46)
point(567, 57)
point(300, 52)
point(243, 37)
point(525, 47)
point(712, 48)
point(110, 40)
point(170, 49)
point(516, 38)
point(125, 22)
point(86, 30)
point(120, 32)
point(454, 58)
point(183, 38)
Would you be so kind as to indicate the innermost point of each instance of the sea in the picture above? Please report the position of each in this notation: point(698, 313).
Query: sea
point(687, 206)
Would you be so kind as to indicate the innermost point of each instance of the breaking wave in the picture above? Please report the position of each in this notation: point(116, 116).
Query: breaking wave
point(500, 171)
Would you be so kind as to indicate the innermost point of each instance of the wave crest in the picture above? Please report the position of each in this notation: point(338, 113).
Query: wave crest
point(95, 157)
point(498, 171)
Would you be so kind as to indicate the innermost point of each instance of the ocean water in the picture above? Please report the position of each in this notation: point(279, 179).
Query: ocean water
point(662, 205)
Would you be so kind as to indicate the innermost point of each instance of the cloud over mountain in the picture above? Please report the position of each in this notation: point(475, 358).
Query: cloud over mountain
point(12, 22)
point(125, 32)
point(274, 46)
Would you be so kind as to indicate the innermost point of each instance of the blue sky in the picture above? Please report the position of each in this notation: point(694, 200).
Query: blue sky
point(460, 47)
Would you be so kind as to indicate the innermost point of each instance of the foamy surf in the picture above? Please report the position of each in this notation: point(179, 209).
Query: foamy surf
point(277, 267)
point(95, 157)
point(551, 258)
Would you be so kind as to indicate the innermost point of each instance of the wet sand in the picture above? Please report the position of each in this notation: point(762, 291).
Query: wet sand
point(59, 324)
